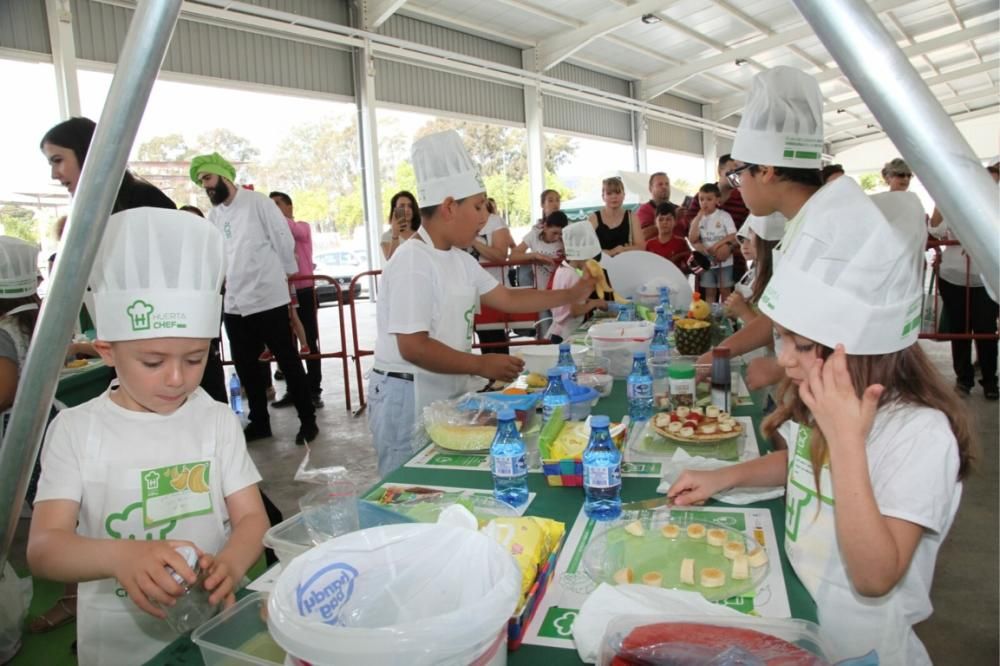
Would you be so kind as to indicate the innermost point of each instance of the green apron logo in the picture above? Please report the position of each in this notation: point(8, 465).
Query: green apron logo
point(139, 312)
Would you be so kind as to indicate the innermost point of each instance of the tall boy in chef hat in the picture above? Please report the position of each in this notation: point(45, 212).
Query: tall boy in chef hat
point(877, 442)
point(154, 463)
point(430, 292)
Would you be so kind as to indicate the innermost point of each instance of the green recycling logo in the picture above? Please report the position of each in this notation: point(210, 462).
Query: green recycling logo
point(468, 322)
point(126, 526)
point(139, 313)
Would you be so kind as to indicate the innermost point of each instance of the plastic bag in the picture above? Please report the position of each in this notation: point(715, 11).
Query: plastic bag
point(414, 594)
point(469, 423)
point(711, 641)
point(317, 467)
point(16, 597)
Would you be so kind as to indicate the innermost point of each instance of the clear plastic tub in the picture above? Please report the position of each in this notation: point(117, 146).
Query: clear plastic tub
point(595, 372)
point(239, 635)
point(290, 538)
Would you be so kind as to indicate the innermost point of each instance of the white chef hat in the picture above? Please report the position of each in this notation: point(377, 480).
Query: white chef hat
point(782, 122)
point(743, 233)
point(444, 169)
point(158, 274)
point(851, 273)
point(18, 267)
point(769, 227)
point(580, 241)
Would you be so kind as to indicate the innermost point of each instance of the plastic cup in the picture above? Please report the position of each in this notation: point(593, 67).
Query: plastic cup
point(330, 510)
point(660, 371)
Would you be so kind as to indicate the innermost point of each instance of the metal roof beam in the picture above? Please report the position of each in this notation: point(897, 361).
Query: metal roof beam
point(840, 146)
point(659, 83)
point(376, 12)
point(554, 50)
point(988, 66)
point(973, 96)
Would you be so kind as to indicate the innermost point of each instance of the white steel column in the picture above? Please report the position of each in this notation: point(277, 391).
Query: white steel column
point(709, 146)
point(60, 18)
point(364, 93)
point(639, 126)
point(534, 123)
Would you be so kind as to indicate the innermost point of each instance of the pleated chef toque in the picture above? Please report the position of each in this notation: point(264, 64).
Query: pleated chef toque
point(18, 267)
point(782, 122)
point(444, 169)
point(851, 271)
point(158, 274)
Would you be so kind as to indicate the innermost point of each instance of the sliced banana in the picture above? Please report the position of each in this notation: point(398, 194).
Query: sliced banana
point(734, 549)
point(757, 557)
point(712, 412)
point(697, 410)
point(675, 426)
point(682, 412)
point(624, 576)
point(653, 579)
point(687, 571)
point(716, 537)
point(712, 577)
point(725, 427)
point(635, 528)
point(741, 567)
point(670, 531)
point(707, 429)
point(687, 432)
point(696, 531)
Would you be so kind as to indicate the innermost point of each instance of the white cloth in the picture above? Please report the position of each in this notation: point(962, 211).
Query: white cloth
point(954, 260)
point(412, 294)
point(913, 465)
point(537, 244)
point(608, 602)
point(443, 168)
point(158, 273)
point(848, 273)
point(682, 460)
point(713, 228)
point(99, 454)
point(260, 253)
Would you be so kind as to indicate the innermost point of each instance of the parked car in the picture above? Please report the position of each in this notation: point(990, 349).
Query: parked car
point(342, 266)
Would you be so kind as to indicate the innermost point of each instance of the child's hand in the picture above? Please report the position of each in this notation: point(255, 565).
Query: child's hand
point(696, 487)
point(580, 291)
point(737, 305)
point(600, 304)
point(140, 568)
point(829, 394)
point(221, 580)
point(721, 251)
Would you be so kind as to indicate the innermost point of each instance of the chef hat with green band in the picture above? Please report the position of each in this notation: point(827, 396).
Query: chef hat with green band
point(443, 168)
point(212, 163)
point(158, 274)
point(18, 268)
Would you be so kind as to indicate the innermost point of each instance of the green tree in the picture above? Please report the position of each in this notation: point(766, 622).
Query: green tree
point(227, 143)
point(870, 181)
point(167, 148)
point(19, 222)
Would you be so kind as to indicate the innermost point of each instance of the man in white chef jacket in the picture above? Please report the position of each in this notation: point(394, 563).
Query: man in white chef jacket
point(260, 255)
point(429, 294)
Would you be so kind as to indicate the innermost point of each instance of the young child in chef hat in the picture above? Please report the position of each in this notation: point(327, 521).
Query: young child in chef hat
point(154, 463)
point(429, 295)
point(580, 243)
point(758, 236)
point(877, 442)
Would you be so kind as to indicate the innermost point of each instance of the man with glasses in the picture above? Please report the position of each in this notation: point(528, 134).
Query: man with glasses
point(897, 175)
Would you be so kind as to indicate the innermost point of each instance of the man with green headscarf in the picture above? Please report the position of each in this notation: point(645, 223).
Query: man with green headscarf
point(260, 255)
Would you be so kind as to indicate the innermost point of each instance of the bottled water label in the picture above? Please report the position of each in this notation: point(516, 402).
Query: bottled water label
point(639, 390)
point(602, 476)
point(509, 466)
point(549, 408)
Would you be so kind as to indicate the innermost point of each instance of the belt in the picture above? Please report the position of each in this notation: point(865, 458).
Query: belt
point(405, 376)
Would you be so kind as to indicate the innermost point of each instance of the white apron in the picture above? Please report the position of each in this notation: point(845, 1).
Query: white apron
point(851, 624)
point(453, 327)
point(112, 630)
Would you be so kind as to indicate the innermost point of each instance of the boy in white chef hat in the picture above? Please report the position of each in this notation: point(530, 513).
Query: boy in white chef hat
point(154, 463)
point(428, 297)
point(877, 442)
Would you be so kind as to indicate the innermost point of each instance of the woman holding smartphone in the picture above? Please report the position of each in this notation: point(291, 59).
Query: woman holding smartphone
point(404, 220)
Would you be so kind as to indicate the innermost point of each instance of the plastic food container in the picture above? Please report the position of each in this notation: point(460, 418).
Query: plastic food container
point(618, 341)
point(595, 372)
point(539, 358)
point(238, 635)
point(290, 538)
point(581, 400)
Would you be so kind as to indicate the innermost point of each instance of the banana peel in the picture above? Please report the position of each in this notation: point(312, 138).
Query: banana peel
point(602, 287)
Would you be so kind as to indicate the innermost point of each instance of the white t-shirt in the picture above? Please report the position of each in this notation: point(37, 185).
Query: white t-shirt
point(260, 253)
point(913, 465)
point(493, 223)
point(536, 243)
point(715, 227)
point(413, 284)
point(954, 259)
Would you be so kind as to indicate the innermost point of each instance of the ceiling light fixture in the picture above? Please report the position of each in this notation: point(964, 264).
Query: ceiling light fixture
point(650, 18)
point(739, 62)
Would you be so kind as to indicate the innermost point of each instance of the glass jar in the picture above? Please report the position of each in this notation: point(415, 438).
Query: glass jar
point(682, 384)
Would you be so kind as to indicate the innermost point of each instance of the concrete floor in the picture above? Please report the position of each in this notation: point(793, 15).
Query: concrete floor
point(963, 629)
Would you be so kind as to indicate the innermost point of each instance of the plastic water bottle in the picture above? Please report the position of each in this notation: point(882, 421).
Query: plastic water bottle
point(659, 348)
point(235, 399)
point(661, 317)
point(566, 364)
point(555, 395)
point(665, 299)
point(508, 461)
point(192, 609)
point(602, 473)
point(639, 388)
point(627, 313)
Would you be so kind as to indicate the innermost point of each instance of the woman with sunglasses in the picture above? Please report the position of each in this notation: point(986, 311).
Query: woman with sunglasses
point(897, 175)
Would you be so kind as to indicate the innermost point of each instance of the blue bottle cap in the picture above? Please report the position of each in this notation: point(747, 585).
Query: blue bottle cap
point(599, 421)
point(505, 414)
point(563, 346)
point(639, 354)
point(555, 372)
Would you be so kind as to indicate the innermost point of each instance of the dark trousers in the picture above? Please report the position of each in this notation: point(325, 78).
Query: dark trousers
point(247, 336)
point(982, 319)
point(310, 323)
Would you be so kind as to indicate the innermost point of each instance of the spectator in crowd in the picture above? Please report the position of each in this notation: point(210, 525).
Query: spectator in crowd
point(730, 198)
point(260, 255)
point(194, 210)
point(617, 229)
point(492, 245)
point(831, 172)
point(897, 175)
point(659, 191)
point(404, 220)
point(666, 243)
point(543, 245)
point(551, 202)
point(65, 146)
point(713, 233)
point(305, 295)
point(955, 272)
